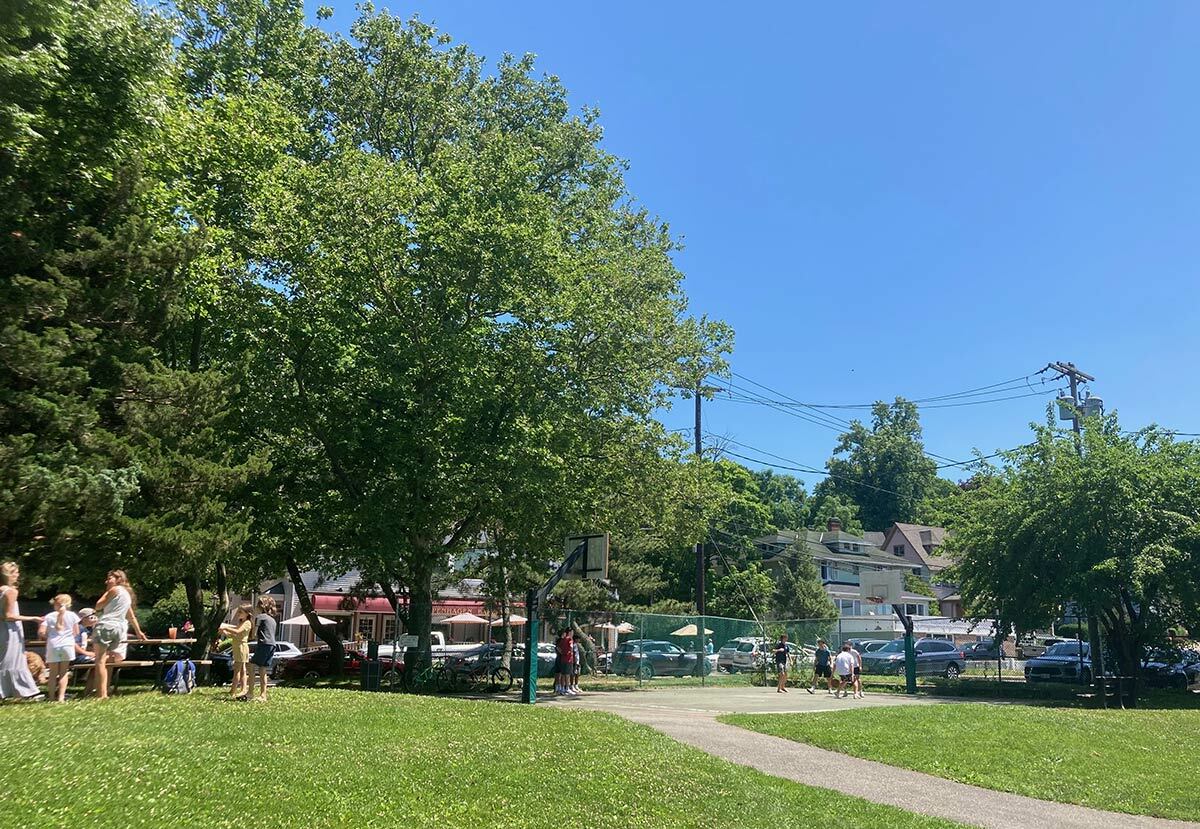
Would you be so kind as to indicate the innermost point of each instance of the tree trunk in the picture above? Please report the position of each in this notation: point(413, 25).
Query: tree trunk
point(327, 633)
point(505, 616)
point(420, 615)
point(205, 620)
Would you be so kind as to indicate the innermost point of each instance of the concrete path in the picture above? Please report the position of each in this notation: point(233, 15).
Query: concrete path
point(689, 715)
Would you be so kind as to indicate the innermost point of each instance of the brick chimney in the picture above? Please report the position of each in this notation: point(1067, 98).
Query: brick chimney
point(834, 525)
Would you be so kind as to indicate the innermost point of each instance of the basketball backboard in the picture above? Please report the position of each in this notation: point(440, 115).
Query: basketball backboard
point(881, 586)
point(592, 564)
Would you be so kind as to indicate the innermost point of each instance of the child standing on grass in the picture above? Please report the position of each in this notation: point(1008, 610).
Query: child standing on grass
point(239, 638)
point(264, 644)
point(60, 629)
point(116, 615)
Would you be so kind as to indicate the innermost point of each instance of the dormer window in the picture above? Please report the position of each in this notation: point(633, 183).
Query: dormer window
point(898, 551)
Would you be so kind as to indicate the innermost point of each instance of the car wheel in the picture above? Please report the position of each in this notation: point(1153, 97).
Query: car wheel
point(312, 674)
point(708, 668)
point(952, 671)
point(645, 671)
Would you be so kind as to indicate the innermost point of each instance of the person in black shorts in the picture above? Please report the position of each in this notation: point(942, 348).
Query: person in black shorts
point(822, 667)
point(264, 646)
point(781, 657)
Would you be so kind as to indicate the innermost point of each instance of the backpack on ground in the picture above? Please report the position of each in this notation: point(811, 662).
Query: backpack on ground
point(180, 678)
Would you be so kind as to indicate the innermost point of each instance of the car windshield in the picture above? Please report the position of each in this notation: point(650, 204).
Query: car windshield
point(895, 646)
point(1065, 649)
point(746, 647)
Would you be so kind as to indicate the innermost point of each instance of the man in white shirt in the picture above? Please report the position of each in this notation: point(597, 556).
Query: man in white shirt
point(843, 669)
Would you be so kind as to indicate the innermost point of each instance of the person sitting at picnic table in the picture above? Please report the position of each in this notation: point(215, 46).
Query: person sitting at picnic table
point(16, 681)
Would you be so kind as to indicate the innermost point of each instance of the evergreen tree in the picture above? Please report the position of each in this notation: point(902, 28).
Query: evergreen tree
point(799, 593)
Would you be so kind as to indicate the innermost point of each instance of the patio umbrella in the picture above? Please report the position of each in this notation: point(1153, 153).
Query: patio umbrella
point(465, 619)
point(512, 621)
point(625, 627)
point(303, 620)
point(689, 630)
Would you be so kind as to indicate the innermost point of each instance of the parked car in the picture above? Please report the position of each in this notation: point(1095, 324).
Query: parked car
point(984, 649)
point(753, 659)
point(1171, 668)
point(934, 657)
point(646, 658)
point(1062, 662)
point(1034, 646)
point(222, 661)
point(315, 664)
point(494, 655)
point(867, 645)
point(727, 651)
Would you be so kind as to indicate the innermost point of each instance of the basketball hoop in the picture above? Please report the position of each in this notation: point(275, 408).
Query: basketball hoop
point(881, 586)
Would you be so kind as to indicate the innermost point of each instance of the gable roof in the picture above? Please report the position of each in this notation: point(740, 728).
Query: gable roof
point(823, 545)
point(918, 536)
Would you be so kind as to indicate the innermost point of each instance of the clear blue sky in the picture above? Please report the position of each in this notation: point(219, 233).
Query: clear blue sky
point(903, 198)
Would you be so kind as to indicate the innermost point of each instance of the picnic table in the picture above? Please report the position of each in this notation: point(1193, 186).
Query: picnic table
point(79, 669)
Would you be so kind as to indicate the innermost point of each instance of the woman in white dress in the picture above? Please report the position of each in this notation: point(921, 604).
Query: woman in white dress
point(115, 608)
point(15, 680)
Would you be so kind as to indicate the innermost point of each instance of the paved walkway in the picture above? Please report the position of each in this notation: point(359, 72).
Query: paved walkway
point(689, 715)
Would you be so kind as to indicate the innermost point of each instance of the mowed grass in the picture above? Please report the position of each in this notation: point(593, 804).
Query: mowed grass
point(315, 758)
point(1140, 762)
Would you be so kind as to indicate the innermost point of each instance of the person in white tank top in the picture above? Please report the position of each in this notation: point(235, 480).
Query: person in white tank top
point(116, 615)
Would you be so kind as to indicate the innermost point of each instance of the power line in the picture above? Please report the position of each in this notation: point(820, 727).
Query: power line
point(783, 405)
point(992, 388)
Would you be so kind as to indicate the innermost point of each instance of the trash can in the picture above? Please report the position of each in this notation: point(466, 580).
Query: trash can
point(370, 675)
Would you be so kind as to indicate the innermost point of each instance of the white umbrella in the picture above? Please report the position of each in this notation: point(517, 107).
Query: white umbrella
point(625, 627)
point(464, 619)
point(605, 626)
point(512, 620)
point(303, 620)
point(688, 630)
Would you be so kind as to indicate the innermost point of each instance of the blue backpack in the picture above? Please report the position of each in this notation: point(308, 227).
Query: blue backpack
point(180, 678)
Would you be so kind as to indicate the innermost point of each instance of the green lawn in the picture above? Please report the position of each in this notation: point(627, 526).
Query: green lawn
point(1142, 762)
point(341, 758)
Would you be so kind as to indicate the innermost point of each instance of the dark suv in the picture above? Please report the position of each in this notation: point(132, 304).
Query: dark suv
point(1063, 662)
point(934, 656)
point(646, 658)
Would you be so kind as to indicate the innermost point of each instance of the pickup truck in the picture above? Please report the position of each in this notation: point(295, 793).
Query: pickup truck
point(437, 647)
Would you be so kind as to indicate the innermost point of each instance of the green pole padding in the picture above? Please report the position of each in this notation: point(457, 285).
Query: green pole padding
point(532, 610)
point(910, 663)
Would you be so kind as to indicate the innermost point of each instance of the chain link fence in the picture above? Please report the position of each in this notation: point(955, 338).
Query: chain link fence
point(622, 648)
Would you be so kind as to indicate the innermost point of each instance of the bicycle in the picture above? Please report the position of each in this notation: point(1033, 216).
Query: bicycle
point(481, 676)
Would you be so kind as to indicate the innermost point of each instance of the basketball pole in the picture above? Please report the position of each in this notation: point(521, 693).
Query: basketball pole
point(533, 607)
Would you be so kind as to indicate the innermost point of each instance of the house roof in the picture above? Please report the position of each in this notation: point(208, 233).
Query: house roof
point(347, 583)
point(925, 540)
point(818, 545)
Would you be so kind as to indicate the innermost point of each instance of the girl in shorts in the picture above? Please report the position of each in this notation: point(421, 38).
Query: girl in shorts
point(264, 644)
point(239, 636)
point(60, 629)
point(116, 615)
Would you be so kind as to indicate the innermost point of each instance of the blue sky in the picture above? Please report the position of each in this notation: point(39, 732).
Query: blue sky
point(903, 198)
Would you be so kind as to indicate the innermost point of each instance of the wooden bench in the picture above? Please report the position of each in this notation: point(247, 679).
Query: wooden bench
point(114, 669)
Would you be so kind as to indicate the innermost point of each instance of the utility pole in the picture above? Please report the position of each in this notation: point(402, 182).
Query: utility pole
point(1074, 376)
point(699, 544)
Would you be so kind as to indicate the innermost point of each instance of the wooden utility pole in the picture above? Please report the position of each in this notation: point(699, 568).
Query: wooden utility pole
point(699, 544)
point(1074, 376)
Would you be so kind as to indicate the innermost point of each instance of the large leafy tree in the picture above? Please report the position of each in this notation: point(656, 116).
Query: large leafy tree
point(883, 468)
point(461, 311)
point(1113, 527)
point(113, 446)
